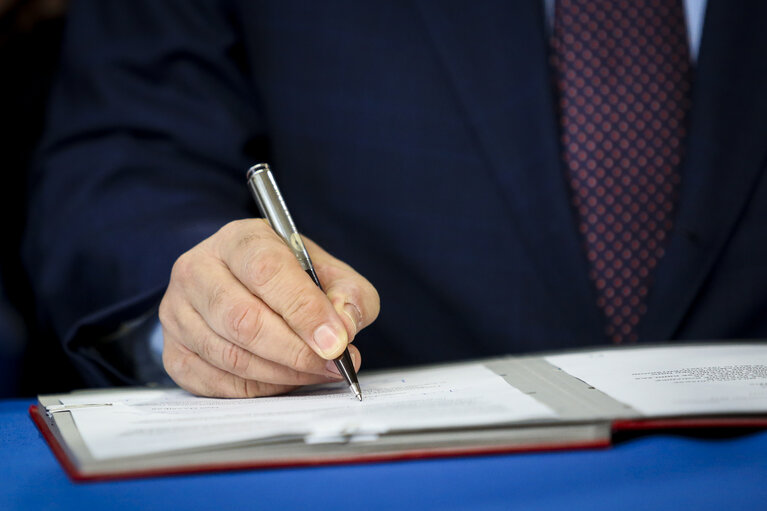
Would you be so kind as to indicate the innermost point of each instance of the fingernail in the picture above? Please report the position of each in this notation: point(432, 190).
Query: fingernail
point(354, 314)
point(328, 340)
point(332, 369)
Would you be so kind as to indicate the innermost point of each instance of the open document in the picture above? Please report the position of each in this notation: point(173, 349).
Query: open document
point(507, 404)
point(129, 424)
point(676, 380)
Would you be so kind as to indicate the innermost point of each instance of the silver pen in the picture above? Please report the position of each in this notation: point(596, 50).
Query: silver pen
point(274, 209)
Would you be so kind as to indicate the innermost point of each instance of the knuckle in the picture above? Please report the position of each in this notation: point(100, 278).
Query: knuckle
point(254, 388)
point(236, 360)
point(246, 234)
point(182, 268)
point(263, 266)
point(164, 312)
point(251, 388)
point(230, 228)
point(245, 323)
point(246, 240)
point(260, 225)
point(304, 308)
point(217, 297)
point(205, 348)
point(205, 387)
point(175, 365)
point(243, 225)
point(303, 359)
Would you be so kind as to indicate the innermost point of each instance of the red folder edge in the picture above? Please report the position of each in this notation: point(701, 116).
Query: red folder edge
point(75, 475)
point(688, 423)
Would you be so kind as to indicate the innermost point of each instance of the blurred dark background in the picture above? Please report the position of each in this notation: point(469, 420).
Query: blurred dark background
point(31, 361)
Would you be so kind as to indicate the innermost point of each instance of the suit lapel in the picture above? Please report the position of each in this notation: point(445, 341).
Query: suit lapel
point(496, 55)
point(725, 151)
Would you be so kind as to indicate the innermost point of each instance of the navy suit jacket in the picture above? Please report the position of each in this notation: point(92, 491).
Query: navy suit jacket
point(415, 140)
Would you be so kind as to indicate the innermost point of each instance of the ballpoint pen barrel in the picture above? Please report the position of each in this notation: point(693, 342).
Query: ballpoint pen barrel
point(273, 207)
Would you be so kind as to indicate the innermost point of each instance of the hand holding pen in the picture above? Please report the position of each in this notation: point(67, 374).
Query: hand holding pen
point(241, 318)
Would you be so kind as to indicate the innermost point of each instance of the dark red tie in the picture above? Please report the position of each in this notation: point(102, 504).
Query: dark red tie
point(623, 76)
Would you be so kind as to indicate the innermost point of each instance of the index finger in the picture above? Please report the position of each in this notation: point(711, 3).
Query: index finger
point(259, 259)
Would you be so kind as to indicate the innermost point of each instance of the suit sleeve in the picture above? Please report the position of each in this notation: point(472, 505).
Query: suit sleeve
point(152, 124)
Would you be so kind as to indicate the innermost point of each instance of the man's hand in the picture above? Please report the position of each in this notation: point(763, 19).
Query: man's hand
point(241, 318)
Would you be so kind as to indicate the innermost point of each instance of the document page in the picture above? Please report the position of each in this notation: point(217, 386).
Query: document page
point(116, 424)
point(676, 380)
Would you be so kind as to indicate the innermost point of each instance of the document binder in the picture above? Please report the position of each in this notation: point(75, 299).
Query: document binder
point(586, 417)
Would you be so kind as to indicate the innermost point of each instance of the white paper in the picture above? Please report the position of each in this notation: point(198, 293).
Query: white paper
point(150, 421)
point(677, 380)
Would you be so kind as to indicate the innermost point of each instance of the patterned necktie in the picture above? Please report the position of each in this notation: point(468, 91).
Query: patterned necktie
point(623, 77)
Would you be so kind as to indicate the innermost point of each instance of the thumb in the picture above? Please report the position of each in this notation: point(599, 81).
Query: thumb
point(353, 297)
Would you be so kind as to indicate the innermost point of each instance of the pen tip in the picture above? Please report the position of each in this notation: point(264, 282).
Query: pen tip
point(356, 389)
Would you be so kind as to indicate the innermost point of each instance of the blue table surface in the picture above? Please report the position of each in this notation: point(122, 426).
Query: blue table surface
point(656, 471)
